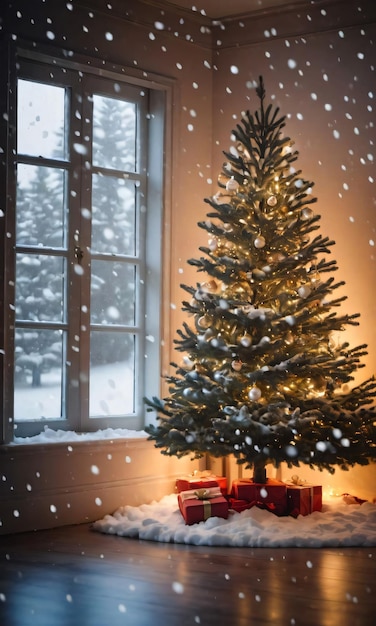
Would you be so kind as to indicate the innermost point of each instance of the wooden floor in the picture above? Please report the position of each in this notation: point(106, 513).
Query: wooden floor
point(74, 576)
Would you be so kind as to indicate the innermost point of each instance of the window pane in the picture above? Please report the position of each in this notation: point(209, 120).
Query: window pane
point(112, 293)
point(114, 219)
point(40, 119)
point(111, 374)
point(38, 374)
point(39, 287)
point(114, 133)
point(40, 206)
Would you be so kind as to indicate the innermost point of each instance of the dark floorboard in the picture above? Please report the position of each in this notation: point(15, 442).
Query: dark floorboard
point(76, 577)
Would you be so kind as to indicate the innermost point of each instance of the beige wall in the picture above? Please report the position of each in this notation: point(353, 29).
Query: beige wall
point(209, 96)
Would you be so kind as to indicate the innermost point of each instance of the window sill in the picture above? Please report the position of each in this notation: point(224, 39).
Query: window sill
point(49, 436)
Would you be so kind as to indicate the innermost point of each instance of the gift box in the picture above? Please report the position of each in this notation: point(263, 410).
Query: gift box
point(238, 505)
point(303, 499)
point(197, 505)
point(201, 480)
point(271, 495)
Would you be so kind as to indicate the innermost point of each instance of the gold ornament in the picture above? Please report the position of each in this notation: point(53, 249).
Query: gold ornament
point(209, 287)
point(204, 322)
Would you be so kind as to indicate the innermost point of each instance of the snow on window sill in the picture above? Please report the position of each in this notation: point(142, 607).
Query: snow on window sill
point(67, 436)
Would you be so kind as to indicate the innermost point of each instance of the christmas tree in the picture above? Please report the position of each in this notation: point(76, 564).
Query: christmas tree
point(263, 376)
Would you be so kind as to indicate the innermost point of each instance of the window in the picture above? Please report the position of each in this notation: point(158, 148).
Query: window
point(87, 251)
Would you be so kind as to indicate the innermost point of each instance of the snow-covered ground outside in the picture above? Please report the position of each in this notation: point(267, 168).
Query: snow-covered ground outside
point(111, 394)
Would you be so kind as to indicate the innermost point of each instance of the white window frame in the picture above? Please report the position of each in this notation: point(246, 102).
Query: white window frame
point(157, 248)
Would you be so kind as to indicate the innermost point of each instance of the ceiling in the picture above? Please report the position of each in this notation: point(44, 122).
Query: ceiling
point(217, 9)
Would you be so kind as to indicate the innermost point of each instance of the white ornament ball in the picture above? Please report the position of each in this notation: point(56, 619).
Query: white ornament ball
point(254, 393)
point(307, 213)
point(232, 184)
point(259, 242)
point(304, 291)
point(213, 244)
point(290, 319)
point(272, 201)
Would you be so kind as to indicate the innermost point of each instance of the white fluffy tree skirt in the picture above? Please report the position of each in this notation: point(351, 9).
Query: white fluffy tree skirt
point(340, 523)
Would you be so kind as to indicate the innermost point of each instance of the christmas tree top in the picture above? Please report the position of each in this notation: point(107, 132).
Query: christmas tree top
point(262, 377)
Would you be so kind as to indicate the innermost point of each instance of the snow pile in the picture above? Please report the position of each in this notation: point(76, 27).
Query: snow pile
point(57, 436)
point(338, 524)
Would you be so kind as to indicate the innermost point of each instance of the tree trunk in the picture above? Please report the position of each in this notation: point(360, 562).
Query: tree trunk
point(259, 473)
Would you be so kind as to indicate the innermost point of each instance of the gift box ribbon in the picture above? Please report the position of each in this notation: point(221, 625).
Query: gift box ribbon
point(269, 506)
point(201, 494)
point(295, 480)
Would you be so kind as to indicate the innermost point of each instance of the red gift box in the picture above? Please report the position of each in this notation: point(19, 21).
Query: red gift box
point(303, 499)
point(201, 480)
point(197, 505)
point(239, 505)
point(271, 495)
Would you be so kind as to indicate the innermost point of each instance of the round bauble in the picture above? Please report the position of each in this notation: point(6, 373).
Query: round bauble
point(271, 201)
point(259, 242)
point(217, 342)
point(254, 393)
point(204, 321)
point(232, 184)
point(304, 291)
point(307, 213)
point(209, 287)
point(237, 366)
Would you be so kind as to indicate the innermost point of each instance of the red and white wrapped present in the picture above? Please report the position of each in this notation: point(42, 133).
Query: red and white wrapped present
point(197, 505)
point(303, 498)
point(201, 480)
